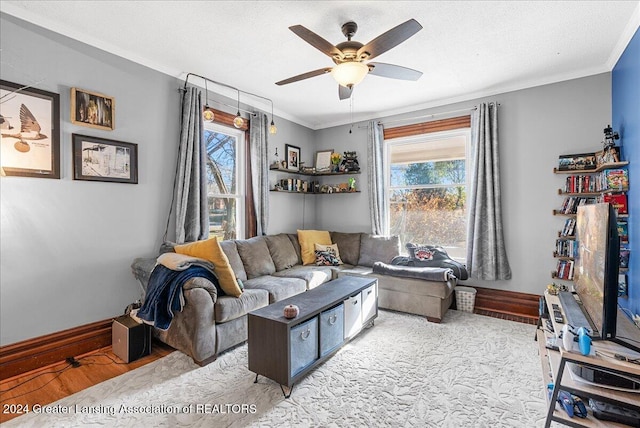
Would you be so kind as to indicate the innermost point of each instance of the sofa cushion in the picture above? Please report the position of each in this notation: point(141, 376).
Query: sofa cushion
point(209, 249)
point(293, 237)
point(308, 239)
point(312, 275)
point(230, 249)
point(349, 246)
point(282, 251)
point(255, 257)
point(375, 248)
point(327, 255)
point(229, 308)
point(279, 288)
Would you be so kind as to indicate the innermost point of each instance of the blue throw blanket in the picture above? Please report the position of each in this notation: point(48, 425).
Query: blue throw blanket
point(164, 293)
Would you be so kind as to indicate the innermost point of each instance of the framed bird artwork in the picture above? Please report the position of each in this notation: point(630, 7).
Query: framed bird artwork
point(30, 131)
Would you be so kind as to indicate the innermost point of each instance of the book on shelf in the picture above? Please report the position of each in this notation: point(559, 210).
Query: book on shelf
point(564, 269)
point(569, 227)
point(625, 253)
point(577, 161)
point(616, 179)
point(622, 284)
point(618, 200)
point(571, 203)
point(623, 231)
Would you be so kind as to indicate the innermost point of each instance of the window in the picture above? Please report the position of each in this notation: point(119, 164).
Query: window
point(427, 189)
point(225, 186)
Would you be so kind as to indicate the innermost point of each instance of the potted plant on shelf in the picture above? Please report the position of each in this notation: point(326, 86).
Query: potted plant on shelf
point(335, 161)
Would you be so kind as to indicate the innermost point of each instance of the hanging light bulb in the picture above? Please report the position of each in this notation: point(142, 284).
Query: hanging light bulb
point(207, 113)
point(238, 121)
point(272, 128)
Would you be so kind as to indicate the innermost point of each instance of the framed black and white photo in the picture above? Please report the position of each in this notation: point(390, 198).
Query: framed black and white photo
point(30, 125)
point(292, 156)
point(93, 109)
point(323, 160)
point(99, 159)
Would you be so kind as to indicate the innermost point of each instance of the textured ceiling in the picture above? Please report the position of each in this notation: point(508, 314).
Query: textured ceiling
point(465, 50)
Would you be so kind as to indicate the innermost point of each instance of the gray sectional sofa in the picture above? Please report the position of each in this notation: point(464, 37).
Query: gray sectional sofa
point(270, 269)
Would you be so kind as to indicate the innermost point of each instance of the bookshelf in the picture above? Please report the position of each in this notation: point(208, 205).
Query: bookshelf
point(608, 182)
point(293, 183)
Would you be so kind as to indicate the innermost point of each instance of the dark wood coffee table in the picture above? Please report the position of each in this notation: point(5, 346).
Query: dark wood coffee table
point(285, 350)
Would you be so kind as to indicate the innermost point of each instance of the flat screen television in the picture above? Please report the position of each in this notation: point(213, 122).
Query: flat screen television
point(596, 267)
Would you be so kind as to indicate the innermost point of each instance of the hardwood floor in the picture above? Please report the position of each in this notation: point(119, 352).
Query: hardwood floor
point(51, 383)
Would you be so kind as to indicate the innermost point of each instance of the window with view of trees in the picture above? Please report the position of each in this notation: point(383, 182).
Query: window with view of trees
point(427, 186)
point(225, 154)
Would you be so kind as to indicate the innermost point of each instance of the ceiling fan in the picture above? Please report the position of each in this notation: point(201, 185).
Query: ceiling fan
point(350, 56)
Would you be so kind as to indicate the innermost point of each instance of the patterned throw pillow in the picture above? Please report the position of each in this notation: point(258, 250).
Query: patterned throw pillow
point(327, 255)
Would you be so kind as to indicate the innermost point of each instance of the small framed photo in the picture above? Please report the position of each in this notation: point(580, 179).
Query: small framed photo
point(99, 159)
point(93, 109)
point(30, 123)
point(292, 156)
point(323, 159)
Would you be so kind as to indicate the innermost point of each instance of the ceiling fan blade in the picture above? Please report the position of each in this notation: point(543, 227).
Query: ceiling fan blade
point(390, 39)
point(316, 41)
point(393, 71)
point(344, 92)
point(306, 75)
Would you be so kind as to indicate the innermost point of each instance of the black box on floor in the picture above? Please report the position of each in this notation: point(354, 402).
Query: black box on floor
point(130, 340)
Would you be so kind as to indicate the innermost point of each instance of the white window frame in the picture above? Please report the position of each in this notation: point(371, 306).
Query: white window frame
point(424, 138)
point(240, 195)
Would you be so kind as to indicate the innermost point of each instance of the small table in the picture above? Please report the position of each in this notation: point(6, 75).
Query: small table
point(285, 350)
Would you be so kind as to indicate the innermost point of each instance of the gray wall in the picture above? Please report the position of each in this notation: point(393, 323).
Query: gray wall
point(535, 126)
point(66, 246)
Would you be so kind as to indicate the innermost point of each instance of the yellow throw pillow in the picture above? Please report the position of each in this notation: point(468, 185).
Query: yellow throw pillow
point(209, 249)
point(308, 239)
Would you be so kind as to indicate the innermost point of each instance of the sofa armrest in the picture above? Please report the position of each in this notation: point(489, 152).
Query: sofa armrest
point(141, 269)
point(203, 283)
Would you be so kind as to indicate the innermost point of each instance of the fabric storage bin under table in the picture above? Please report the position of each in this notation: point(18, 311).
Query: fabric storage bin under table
point(304, 345)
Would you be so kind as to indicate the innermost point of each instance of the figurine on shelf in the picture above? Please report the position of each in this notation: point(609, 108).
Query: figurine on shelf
point(352, 184)
point(350, 162)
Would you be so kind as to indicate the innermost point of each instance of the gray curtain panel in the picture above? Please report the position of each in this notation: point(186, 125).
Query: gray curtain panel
point(375, 162)
point(192, 219)
point(260, 170)
point(486, 253)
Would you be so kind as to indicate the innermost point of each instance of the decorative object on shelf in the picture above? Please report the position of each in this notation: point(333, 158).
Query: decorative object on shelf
point(275, 164)
point(92, 109)
point(580, 161)
point(350, 162)
point(99, 159)
point(609, 137)
point(291, 311)
point(352, 184)
point(292, 156)
point(323, 159)
point(30, 115)
point(335, 161)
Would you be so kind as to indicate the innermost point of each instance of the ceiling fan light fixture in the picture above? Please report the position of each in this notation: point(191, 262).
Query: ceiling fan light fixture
point(350, 73)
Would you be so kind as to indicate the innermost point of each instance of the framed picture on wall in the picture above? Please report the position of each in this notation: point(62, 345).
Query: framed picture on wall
point(93, 109)
point(30, 124)
point(323, 160)
point(99, 159)
point(292, 156)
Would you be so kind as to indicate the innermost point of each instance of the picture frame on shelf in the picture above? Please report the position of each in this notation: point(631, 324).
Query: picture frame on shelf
point(292, 156)
point(323, 159)
point(93, 109)
point(30, 142)
point(99, 159)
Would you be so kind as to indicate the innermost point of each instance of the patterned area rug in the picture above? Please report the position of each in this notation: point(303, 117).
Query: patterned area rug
point(468, 371)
